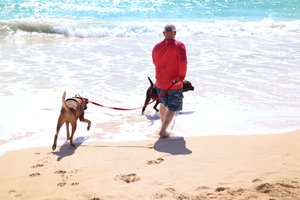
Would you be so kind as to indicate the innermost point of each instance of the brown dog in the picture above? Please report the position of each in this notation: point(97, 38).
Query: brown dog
point(152, 93)
point(72, 109)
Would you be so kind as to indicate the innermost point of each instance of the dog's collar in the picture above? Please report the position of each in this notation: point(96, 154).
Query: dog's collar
point(77, 96)
point(80, 101)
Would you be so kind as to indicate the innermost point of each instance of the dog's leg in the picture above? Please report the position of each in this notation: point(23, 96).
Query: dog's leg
point(86, 121)
point(148, 98)
point(59, 124)
point(74, 125)
point(155, 106)
point(68, 130)
point(145, 104)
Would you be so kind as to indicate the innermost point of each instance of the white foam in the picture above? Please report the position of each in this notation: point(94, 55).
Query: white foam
point(89, 28)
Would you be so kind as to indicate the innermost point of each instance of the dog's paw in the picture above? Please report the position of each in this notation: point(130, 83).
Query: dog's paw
point(53, 147)
point(88, 128)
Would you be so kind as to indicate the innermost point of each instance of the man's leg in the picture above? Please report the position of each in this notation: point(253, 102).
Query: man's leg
point(168, 117)
point(162, 112)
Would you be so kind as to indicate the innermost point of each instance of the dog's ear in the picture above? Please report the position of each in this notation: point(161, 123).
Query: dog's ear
point(86, 101)
point(85, 105)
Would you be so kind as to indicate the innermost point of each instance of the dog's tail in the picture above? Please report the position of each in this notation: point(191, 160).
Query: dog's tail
point(150, 81)
point(64, 100)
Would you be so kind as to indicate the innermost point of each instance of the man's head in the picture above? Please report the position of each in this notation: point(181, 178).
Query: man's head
point(169, 31)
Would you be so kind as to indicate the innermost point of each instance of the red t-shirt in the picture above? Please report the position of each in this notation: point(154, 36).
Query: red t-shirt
point(169, 58)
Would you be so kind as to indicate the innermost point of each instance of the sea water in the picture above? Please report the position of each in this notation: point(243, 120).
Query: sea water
point(243, 60)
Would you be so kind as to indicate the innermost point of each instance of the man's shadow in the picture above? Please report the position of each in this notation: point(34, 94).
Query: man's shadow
point(172, 145)
point(66, 150)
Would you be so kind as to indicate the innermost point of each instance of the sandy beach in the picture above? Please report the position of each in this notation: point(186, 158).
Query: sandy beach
point(264, 167)
point(237, 136)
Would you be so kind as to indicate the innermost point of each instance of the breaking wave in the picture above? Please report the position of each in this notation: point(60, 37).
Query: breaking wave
point(91, 29)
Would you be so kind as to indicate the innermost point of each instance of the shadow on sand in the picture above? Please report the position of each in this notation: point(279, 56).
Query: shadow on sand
point(172, 145)
point(66, 150)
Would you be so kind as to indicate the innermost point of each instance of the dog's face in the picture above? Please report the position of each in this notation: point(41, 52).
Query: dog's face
point(85, 101)
point(187, 85)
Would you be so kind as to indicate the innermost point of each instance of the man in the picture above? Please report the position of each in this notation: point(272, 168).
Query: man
point(169, 58)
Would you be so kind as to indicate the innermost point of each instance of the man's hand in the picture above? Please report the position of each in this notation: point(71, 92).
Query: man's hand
point(176, 82)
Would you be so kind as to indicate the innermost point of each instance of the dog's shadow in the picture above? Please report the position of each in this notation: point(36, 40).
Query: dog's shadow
point(152, 118)
point(66, 150)
point(172, 145)
point(185, 112)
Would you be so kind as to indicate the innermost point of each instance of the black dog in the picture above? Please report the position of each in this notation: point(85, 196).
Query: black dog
point(152, 93)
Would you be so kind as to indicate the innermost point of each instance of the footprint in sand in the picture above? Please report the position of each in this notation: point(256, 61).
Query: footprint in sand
point(265, 188)
point(221, 189)
point(155, 162)
point(63, 174)
point(286, 185)
point(164, 194)
point(61, 184)
point(37, 165)
point(74, 184)
point(11, 191)
point(256, 180)
point(75, 171)
point(171, 190)
point(65, 177)
point(60, 172)
point(128, 178)
point(159, 195)
point(44, 159)
point(204, 187)
point(34, 174)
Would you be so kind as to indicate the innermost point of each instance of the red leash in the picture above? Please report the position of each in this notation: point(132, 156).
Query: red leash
point(116, 108)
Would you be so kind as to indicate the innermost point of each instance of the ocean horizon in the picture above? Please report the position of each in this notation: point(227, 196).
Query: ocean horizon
point(243, 60)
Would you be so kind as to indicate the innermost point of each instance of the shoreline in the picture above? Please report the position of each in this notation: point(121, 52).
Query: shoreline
point(31, 142)
point(204, 167)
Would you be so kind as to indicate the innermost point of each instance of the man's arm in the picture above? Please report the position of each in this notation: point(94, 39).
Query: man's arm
point(183, 62)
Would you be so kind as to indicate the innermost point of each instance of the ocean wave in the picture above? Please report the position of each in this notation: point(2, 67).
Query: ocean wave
point(27, 26)
point(93, 29)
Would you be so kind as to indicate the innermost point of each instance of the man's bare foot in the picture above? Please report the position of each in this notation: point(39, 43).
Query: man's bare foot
point(164, 134)
point(164, 137)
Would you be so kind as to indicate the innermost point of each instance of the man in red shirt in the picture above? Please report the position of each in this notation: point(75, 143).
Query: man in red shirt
point(169, 58)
